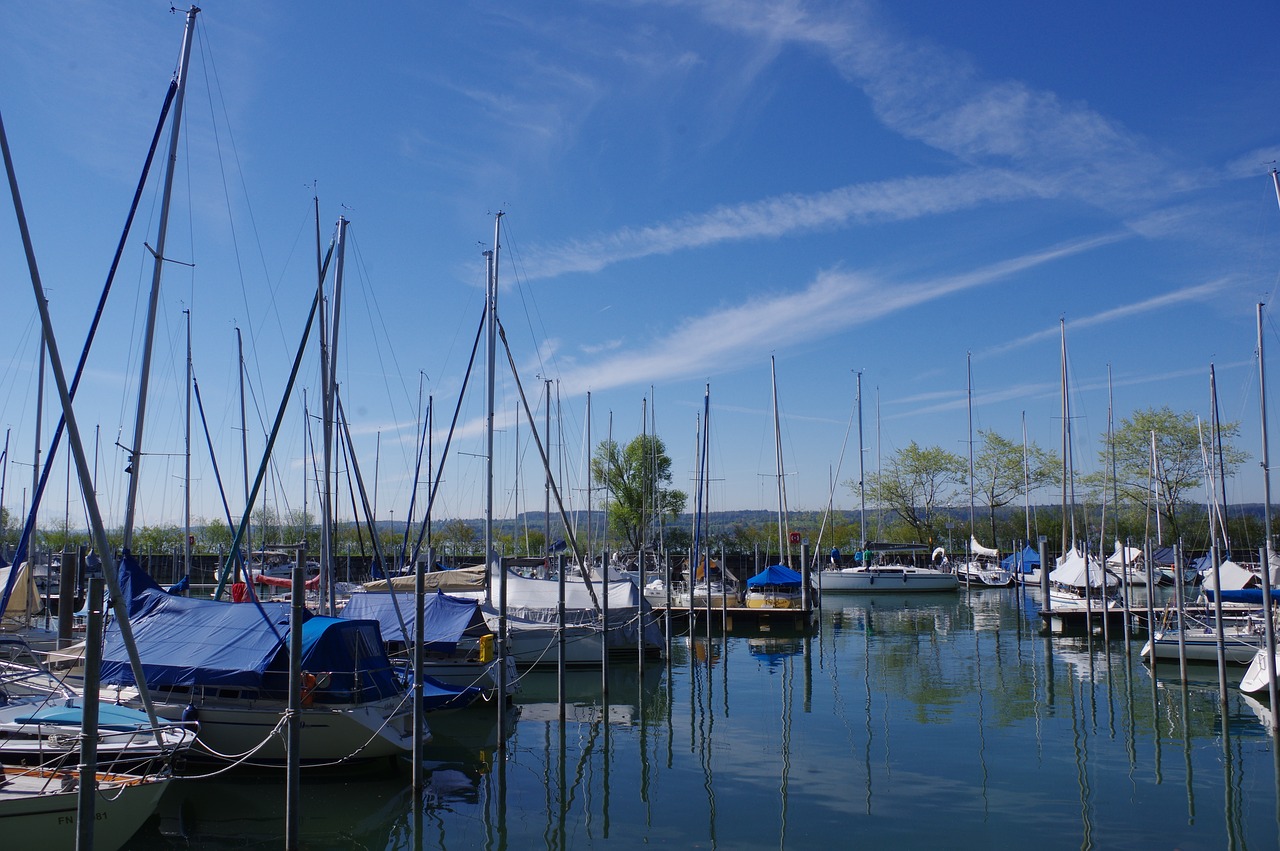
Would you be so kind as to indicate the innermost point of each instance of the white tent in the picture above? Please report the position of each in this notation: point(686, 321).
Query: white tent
point(1072, 571)
point(1232, 577)
point(1124, 555)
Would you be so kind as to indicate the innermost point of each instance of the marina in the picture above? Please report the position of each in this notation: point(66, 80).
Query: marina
point(916, 720)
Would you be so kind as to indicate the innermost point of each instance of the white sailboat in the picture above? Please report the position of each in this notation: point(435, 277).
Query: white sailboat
point(982, 566)
point(886, 568)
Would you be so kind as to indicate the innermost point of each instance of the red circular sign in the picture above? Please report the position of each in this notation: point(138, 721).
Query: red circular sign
point(795, 537)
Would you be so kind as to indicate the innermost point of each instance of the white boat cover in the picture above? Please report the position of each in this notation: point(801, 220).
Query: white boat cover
point(1232, 577)
point(1123, 555)
point(1071, 570)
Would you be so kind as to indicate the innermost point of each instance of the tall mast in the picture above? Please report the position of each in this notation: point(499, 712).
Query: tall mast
point(135, 452)
point(783, 548)
point(186, 474)
point(491, 359)
point(969, 396)
point(329, 373)
point(1269, 636)
point(244, 455)
point(1062, 324)
point(862, 477)
point(1026, 480)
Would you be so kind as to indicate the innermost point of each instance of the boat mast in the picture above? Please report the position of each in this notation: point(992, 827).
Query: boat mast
point(244, 459)
point(491, 359)
point(862, 477)
point(1062, 324)
point(135, 452)
point(186, 474)
point(784, 548)
point(969, 395)
point(1026, 480)
point(1269, 636)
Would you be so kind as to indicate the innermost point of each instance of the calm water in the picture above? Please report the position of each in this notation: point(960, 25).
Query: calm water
point(936, 721)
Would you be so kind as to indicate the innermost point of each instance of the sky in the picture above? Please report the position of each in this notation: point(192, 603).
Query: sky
point(691, 191)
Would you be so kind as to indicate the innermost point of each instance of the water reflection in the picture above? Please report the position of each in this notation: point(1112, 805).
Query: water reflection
point(945, 720)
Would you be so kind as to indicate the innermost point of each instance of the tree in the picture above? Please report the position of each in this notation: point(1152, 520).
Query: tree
point(635, 479)
point(1179, 463)
point(1001, 478)
point(915, 483)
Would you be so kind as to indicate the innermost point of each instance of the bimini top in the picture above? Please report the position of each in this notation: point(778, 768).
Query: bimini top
point(190, 642)
point(444, 618)
point(775, 574)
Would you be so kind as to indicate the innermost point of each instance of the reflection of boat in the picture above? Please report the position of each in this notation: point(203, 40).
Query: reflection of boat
point(249, 809)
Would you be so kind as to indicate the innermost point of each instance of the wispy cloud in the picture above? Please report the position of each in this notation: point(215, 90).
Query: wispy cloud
point(770, 218)
point(834, 301)
point(1198, 292)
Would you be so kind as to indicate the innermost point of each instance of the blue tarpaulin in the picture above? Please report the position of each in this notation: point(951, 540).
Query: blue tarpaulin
point(1023, 561)
point(193, 642)
point(775, 574)
point(444, 619)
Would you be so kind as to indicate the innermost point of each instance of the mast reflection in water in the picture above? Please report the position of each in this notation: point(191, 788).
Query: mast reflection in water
point(919, 721)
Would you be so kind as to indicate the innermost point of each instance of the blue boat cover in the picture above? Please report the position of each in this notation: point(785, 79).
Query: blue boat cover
point(1244, 595)
point(1023, 561)
point(192, 642)
point(444, 618)
point(775, 574)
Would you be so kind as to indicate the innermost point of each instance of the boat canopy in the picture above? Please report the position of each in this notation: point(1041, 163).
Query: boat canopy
point(1125, 555)
point(190, 642)
point(1252, 596)
point(459, 579)
point(1022, 561)
point(1231, 577)
point(775, 574)
point(444, 619)
point(1072, 571)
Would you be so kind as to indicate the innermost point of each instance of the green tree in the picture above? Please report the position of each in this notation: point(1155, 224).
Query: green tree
point(1000, 477)
point(636, 479)
point(915, 483)
point(459, 537)
point(1179, 461)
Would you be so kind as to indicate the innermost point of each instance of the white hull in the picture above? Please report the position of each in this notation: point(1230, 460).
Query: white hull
point(40, 811)
point(1201, 647)
point(887, 578)
point(1257, 677)
point(984, 574)
point(537, 644)
point(253, 729)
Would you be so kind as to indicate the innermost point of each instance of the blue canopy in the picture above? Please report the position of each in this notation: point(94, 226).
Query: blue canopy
point(444, 619)
point(194, 642)
point(775, 574)
point(1244, 595)
point(1023, 561)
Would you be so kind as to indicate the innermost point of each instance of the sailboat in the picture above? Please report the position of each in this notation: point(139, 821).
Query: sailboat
point(1080, 584)
point(882, 567)
point(778, 586)
point(1262, 673)
point(982, 567)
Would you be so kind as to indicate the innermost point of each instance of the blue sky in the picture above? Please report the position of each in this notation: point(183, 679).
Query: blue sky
point(689, 188)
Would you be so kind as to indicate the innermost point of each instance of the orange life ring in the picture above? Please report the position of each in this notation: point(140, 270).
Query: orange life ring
point(308, 689)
